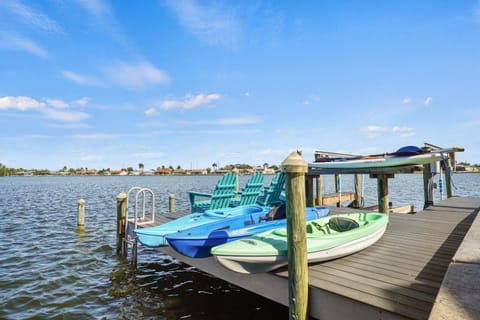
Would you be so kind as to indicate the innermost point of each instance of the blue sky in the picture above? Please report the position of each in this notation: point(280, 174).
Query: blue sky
point(111, 84)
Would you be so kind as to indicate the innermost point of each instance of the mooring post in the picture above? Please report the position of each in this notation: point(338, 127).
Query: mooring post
point(319, 201)
point(309, 190)
point(121, 222)
point(81, 215)
point(428, 185)
point(382, 190)
point(358, 192)
point(338, 189)
point(236, 172)
point(171, 203)
point(295, 168)
point(448, 178)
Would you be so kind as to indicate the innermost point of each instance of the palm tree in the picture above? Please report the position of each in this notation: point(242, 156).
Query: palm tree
point(214, 165)
point(141, 167)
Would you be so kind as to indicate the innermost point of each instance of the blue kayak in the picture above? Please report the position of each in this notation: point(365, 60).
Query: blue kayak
point(196, 242)
point(155, 236)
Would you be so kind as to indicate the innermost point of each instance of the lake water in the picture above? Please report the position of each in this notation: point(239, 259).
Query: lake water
point(48, 270)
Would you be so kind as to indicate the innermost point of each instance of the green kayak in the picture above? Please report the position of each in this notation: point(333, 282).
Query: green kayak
point(327, 238)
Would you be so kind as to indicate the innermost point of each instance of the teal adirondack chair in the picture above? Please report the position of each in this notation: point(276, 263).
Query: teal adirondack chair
point(271, 196)
point(251, 191)
point(220, 198)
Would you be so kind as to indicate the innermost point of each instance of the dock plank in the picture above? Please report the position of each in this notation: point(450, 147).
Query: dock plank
point(399, 277)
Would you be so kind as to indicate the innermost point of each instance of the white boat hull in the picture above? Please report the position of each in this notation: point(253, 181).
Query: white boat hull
point(259, 264)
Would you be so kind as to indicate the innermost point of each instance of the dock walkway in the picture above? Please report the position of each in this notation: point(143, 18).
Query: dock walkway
point(399, 277)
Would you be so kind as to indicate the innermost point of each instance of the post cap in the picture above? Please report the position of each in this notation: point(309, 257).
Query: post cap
point(121, 196)
point(294, 163)
point(81, 201)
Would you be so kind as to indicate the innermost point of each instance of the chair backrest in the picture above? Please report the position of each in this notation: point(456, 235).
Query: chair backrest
point(224, 191)
point(272, 194)
point(252, 189)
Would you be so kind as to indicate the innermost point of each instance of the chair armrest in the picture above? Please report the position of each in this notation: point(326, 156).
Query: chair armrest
point(193, 194)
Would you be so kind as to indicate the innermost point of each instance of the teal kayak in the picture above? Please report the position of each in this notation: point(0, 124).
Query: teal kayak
point(155, 236)
point(327, 238)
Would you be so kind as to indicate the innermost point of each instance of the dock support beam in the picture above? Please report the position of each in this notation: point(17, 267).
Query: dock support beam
point(382, 190)
point(309, 189)
point(357, 203)
point(121, 223)
point(428, 185)
point(295, 168)
point(448, 178)
point(319, 201)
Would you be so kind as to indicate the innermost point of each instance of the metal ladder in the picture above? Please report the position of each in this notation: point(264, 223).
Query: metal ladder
point(136, 218)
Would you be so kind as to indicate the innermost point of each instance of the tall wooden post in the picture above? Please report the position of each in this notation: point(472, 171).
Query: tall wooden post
point(121, 221)
point(357, 203)
point(171, 203)
point(428, 185)
point(81, 215)
point(382, 191)
point(309, 190)
point(319, 201)
point(448, 178)
point(236, 172)
point(338, 188)
point(295, 168)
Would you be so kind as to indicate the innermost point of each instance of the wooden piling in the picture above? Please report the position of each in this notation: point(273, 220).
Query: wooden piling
point(357, 203)
point(236, 172)
point(448, 178)
point(171, 203)
point(121, 222)
point(319, 201)
point(295, 168)
point(309, 191)
point(382, 191)
point(428, 185)
point(81, 215)
point(338, 188)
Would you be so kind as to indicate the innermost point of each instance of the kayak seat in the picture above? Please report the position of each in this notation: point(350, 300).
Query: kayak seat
point(277, 213)
point(342, 224)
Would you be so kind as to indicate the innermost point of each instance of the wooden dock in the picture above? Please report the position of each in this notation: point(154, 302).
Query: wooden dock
point(399, 277)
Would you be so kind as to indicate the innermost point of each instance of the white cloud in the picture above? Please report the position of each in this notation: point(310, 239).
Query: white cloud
point(20, 103)
point(212, 24)
point(136, 76)
point(16, 42)
point(407, 100)
point(404, 131)
point(81, 79)
point(95, 7)
point(57, 103)
point(68, 116)
point(29, 16)
point(238, 120)
point(23, 103)
point(189, 101)
point(428, 100)
point(374, 131)
point(82, 102)
point(247, 94)
point(377, 131)
point(150, 112)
